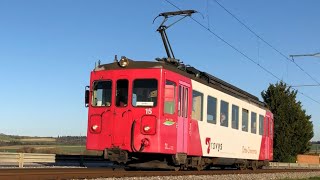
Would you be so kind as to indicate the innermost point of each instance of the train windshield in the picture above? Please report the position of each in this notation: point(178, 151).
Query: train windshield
point(145, 92)
point(101, 95)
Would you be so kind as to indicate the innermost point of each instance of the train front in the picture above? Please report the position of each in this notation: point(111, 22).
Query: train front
point(123, 109)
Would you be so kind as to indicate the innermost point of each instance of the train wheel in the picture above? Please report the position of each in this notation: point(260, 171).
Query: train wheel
point(254, 165)
point(243, 165)
point(199, 168)
point(177, 168)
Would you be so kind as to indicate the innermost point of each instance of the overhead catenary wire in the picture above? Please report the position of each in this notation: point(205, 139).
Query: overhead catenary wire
point(267, 43)
point(243, 54)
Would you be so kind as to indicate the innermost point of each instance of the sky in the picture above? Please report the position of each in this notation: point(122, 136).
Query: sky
point(48, 48)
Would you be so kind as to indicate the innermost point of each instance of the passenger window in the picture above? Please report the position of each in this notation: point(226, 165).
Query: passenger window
point(245, 117)
point(169, 97)
point(101, 95)
point(122, 93)
point(211, 110)
point(197, 99)
point(224, 109)
point(145, 92)
point(253, 122)
point(261, 124)
point(235, 117)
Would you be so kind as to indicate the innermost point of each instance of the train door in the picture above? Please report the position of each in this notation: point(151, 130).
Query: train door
point(271, 138)
point(267, 137)
point(122, 116)
point(182, 129)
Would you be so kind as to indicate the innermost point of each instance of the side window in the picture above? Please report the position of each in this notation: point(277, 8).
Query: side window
point(197, 101)
point(101, 95)
point(122, 93)
point(186, 100)
point(211, 110)
point(245, 116)
point(253, 122)
point(224, 109)
point(235, 117)
point(261, 124)
point(169, 97)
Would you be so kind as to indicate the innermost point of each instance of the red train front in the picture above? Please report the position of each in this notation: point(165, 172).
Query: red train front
point(143, 111)
point(125, 110)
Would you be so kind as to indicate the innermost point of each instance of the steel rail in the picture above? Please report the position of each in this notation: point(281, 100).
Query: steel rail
point(82, 173)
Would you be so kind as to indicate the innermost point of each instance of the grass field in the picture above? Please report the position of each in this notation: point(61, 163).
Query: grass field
point(48, 145)
point(315, 149)
point(60, 149)
point(37, 140)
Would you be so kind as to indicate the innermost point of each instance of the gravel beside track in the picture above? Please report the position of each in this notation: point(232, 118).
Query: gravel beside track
point(262, 176)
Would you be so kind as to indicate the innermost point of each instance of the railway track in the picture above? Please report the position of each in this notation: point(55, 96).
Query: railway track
point(88, 173)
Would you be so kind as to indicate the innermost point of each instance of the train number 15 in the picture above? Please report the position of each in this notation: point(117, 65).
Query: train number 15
point(148, 110)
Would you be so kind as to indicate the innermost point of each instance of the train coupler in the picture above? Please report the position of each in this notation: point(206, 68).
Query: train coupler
point(116, 154)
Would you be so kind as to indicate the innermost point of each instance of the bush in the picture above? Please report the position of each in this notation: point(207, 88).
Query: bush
point(48, 150)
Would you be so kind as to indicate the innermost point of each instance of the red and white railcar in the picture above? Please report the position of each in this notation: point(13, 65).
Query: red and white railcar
point(142, 111)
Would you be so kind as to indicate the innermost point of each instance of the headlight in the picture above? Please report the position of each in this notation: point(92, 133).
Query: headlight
point(94, 127)
point(146, 128)
point(124, 62)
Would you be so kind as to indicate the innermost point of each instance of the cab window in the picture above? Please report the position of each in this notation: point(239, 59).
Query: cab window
point(145, 93)
point(122, 93)
point(101, 95)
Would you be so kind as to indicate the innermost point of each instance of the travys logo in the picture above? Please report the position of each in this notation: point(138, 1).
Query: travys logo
point(213, 145)
point(169, 122)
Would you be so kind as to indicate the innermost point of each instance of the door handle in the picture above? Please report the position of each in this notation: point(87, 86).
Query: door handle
point(105, 112)
point(125, 112)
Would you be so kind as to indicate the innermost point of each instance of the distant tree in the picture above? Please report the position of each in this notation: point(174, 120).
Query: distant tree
point(293, 129)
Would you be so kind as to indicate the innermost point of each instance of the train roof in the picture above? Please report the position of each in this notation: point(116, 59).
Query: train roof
point(188, 71)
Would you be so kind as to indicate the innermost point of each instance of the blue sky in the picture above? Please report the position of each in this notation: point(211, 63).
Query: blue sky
point(48, 48)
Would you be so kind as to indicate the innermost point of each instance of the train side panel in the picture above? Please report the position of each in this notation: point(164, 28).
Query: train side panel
point(230, 142)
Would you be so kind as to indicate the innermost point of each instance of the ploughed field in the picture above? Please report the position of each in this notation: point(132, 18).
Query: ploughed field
point(48, 145)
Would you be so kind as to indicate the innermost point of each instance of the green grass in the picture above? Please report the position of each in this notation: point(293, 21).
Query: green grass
point(315, 178)
point(61, 145)
point(49, 149)
point(315, 149)
point(72, 149)
point(311, 178)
